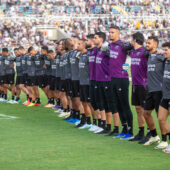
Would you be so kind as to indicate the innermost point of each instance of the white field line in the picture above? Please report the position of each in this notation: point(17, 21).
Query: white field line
point(3, 116)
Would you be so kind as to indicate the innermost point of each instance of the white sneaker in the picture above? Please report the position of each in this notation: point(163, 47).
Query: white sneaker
point(152, 140)
point(58, 111)
point(93, 128)
point(1, 99)
point(78, 122)
point(63, 114)
point(99, 130)
point(10, 101)
point(14, 102)
point(167, 150)
point(85, 126)
point(162, 145)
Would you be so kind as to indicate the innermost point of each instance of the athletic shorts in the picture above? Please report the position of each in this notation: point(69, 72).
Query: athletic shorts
point(104, 96)
point(139, 95)
point(68, 87)
point(9, 78)
point(41, 81)
point(52, 83)
point(165, 103)
point(25, 79)
point(2, 79)
point(19, 80)
point(92, 95)
point(84, 93)
point(31, 81)
point(57, 84)
point(62, 86)
point(153, 100)
point(75, 88)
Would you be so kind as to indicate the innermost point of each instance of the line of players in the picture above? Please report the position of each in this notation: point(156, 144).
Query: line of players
point(89, 76)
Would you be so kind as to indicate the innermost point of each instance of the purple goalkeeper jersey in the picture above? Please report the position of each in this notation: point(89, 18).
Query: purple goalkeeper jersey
point(139, 62)
point(102, 66)
point(118, 55)
point(92, 63)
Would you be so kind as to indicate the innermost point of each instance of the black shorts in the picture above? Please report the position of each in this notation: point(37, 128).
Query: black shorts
point(92, 95)
point(2, 80)
point(165, 103)
point(139, 95)
point(57, 84)
point(19, 80)
point(31, 81)
point(104, 96)
point(153, 100)
point(25, 79)
point(68, 87)
point(84, 93)
point(9, 78)
point(62, 86)
point(52, 83)
point(42, 81)
point(75, 88)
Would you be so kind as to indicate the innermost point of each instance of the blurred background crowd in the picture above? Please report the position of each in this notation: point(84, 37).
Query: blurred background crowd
point(148, 16)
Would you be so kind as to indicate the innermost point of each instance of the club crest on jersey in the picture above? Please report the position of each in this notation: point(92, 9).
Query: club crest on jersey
point(116, 47)
point(138, 53)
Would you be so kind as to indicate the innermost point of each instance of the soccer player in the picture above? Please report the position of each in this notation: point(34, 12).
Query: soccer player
point(154, 95)
point(9, 73)
point(120, 82)
point(32, 84)
point(139, 61)
point(103, 92)
point(2, 79)
point(164, 108)
point(84, 85)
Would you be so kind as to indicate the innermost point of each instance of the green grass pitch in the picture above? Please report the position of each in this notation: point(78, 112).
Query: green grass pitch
point(39, 140)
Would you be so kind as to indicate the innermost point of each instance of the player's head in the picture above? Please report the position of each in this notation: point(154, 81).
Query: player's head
point(75, 41)
point(68, 44)
point(61, 46)
point(51, 54)
point(21, 50)
point(166, 48)
point(152, 43)
point(99, 38)
point(32, 51)
point(16, 52)
point(90, 40)
point(44, 50)
point(137, 38)
point(114, 33)
point(5, 51)
point(82, 44)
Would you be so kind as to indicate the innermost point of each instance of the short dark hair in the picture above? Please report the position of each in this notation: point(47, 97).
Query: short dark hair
point(50, 51)
point(21, 48)
point(30, 49)
point(44, 48)
point(91, 36)
point(4, 49)
point(155, 38)
point(101, 35)
point(15, 49)
point(114, 27)
point(167, 44)
point(138, 36)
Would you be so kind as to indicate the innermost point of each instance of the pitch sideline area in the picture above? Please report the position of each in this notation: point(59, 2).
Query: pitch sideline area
point(38, 139)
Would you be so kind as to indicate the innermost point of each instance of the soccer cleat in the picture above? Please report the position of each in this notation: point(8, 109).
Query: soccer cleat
point(74, 121)
point(94, 128)
point(49, 106)
point(1, 99)
point(162, 145)
point(113, 133)
point(31, 104)
point(152, 140)
point(63, 114)
point(69, 120)
point(98, 130)
point(120, 135)
point(138, 137)
point(85, 126)
point(10, 101)
point(59, 111)
point(36, 104)
point(56, 107)
point(127, 137)
point(104, 131)
point(27, 103)
point(77, 122)
point(167, 149)
point(145, 139)
point(15, 102)
point(79, 125)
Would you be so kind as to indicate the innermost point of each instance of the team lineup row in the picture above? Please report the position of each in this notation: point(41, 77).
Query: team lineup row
point(87, 76)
